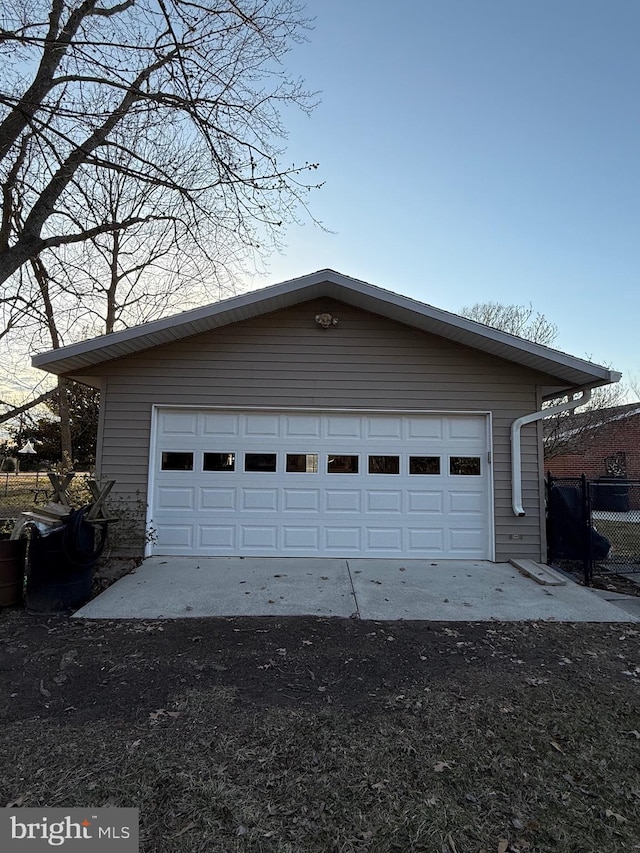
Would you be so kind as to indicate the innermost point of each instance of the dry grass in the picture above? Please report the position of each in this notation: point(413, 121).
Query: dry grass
point(22, 492)
point(623, 535)
point(487, 751)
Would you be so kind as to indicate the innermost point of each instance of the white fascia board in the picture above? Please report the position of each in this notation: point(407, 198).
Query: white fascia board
point(328, 283)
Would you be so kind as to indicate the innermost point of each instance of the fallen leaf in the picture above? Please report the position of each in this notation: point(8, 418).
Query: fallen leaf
point(442, 765)
point(557, 746)
point(43, 689)
point(503, 845)
point(12, 804)
point(619, 818)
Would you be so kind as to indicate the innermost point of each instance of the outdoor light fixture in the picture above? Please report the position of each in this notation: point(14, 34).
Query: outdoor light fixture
point(326, 320)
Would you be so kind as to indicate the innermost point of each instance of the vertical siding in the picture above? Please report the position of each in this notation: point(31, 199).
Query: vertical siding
point(285, 360)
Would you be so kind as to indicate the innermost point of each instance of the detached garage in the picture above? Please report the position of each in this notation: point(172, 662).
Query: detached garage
point(326, 417)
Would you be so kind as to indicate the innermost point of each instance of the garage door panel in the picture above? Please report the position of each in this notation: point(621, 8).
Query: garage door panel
point(383, 427)
point(302, 426)
point(467, 502)
point(383, 501)
point(463, 542)
point(343, 427)
point(259, 536)
point(468, 430)
point(428, 540)
point(348, 539)
point(424, 429)
point(261, 426)
point(301, 500)
point(269, 483)
point(178, 423)
point(343, 500)
point(176, 498)
point(384, 540)
point(217, 536)
point(259, 500)
point(425, 502)
point(175, 536)
point(219, 499)
point(220, 424)
point(296, 537)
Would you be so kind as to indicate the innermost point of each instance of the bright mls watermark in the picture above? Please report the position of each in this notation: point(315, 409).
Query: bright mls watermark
point(107, 829)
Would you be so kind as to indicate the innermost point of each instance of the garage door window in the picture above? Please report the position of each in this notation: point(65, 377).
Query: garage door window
point(263, 463)
point(465, 465)
point(342, 464)
point(302, 463)
point(384, 464)
point(424, 464)
point(177, 461)
point(219, 462)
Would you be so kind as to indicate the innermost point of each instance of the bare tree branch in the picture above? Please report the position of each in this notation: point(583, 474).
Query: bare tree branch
point(18, 410)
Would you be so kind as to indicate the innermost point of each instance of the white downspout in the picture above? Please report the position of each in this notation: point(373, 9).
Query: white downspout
point(516, 458)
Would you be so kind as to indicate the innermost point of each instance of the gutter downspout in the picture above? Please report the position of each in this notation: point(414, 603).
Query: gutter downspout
point(516, 458)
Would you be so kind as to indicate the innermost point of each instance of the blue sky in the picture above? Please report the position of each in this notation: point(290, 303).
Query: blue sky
point(479, 150)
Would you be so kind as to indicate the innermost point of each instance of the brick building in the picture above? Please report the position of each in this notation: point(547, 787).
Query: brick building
point(599, 444)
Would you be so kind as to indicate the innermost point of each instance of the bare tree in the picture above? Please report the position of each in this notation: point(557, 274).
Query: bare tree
point(140, 154)
point(207, 73)
point(520, 320)
point(567, 431)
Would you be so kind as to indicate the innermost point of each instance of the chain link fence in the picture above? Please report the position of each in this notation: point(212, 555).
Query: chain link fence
point(615, 514)
point(593, 526)
point(23, 491)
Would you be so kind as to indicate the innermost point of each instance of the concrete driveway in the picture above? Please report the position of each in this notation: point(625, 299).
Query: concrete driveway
point(451, 590)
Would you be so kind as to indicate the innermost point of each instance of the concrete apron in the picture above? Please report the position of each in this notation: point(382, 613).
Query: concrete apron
point(447, 590)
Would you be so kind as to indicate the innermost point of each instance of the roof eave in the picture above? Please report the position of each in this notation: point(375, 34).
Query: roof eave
point(570, 371)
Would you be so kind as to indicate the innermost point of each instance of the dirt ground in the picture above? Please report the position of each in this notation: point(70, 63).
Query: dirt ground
point(314, 734)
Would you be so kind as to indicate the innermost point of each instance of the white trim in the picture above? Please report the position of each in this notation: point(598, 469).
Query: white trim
point(491, 492)
point(153, 435)
point(156, 408)
point(568, 369)
point(365, 410)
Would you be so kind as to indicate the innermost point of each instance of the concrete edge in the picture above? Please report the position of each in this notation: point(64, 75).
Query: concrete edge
point(544, 575)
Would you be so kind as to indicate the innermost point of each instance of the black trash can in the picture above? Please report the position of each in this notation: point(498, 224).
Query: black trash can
point(610, 493)
point(60, 566)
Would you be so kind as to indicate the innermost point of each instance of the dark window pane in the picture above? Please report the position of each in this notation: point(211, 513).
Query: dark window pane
point(177, 461)
point(424, 464)
point(342, 464)
point(384, 464)
point(265, 462)
point(219, 462)
point(302, 463)
point(465, 465)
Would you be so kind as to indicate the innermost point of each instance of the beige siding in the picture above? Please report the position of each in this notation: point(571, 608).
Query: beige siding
point(286, 360)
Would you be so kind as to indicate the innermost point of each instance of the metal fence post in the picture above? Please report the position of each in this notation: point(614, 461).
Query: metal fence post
point(588, 540)
point(548, 484)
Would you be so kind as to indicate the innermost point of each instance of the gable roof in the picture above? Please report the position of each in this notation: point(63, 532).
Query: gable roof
point(570, 372)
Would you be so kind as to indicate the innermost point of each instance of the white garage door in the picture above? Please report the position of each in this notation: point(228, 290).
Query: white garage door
point(335, 484)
